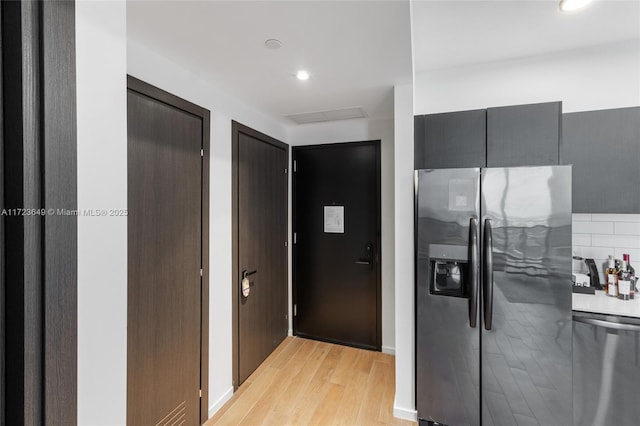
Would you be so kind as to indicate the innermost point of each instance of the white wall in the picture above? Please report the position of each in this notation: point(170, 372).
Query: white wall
point(102, 183)
point(354, 131)
point(588, 79)
point(158, 71)
point(404, 404)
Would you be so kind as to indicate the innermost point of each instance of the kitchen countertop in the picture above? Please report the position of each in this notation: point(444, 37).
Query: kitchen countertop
point(602, 304)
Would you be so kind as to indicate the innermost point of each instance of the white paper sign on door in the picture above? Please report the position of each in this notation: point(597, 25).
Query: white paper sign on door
point(334, 219)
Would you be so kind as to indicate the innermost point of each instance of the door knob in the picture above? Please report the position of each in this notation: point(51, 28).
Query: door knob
point(246, 273)
point(369, 259)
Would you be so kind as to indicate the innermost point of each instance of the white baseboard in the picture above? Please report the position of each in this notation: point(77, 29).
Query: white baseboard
point(405, 413)
point(388, 350)
point(220, 401)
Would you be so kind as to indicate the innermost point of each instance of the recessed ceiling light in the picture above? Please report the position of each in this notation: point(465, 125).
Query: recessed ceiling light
point(273, 43)
point(303, 75)
point(571, 5)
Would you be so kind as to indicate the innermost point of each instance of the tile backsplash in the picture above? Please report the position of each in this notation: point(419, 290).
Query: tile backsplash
point(596, 236)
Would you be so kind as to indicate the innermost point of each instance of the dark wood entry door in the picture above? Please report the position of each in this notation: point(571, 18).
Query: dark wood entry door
point(165, 247)
point(260, 165)
point(337, 243)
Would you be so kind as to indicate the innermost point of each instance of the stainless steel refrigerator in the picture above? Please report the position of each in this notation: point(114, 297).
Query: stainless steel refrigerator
point(493, 296)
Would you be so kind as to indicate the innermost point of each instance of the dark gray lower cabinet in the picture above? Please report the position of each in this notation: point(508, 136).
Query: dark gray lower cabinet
point(524, 135)
point(604, 149)
point(452, 139)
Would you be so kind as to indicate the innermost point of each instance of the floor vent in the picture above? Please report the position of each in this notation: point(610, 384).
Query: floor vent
point(177, 416)
point(330, 115)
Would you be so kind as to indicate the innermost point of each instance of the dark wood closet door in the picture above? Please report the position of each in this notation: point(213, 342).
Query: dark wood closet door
point(164, 261)
point(262, 233)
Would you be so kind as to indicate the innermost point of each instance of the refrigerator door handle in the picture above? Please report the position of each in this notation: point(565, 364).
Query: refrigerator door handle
point(473, 271)
point(487, 275)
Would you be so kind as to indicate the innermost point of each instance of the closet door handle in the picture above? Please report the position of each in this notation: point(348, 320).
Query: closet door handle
point(247, 273)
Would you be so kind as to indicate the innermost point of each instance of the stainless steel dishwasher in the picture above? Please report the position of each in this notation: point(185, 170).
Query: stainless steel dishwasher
point(606, 370)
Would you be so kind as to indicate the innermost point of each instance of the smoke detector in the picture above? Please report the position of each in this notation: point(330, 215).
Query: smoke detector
point(273, 43)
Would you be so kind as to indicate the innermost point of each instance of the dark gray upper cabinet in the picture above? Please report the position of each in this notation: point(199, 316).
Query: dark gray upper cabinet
point(453, 139)
point(604, 149)
point(524, 135)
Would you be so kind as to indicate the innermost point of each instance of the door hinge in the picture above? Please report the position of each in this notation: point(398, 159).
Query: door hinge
point(200, 271)
point(201, 152)
point(200, 393)
point(285, 244)
point(286, 316)
point(285, 171)
point(295, 238)
point(295, 166)
point(295, 310)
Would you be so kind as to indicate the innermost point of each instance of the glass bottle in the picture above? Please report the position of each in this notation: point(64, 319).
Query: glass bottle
point(611, 278)
point(632, 275)
point(624, 284)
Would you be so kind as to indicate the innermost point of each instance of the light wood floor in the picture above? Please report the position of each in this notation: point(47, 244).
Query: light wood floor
point(304, 382)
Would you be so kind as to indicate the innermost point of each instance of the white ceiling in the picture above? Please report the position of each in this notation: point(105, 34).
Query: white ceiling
point(355, 51)
point(457, 33)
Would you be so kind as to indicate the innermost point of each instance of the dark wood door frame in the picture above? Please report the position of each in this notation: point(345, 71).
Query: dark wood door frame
point(39, 264)
point(375, 143)
point(153, 92)
point(236, 130)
